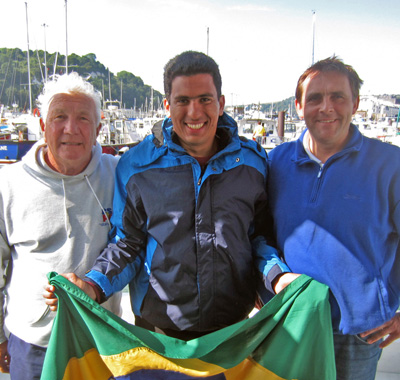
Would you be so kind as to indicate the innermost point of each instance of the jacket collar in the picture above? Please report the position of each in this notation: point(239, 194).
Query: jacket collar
point(300, 156)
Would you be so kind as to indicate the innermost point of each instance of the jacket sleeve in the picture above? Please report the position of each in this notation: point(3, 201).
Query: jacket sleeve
point(5, 257)
point(268, 262)
point(124, 256)
point(266, 256)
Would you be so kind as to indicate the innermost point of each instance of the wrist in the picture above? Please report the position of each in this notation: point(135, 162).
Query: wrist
point(94, 291)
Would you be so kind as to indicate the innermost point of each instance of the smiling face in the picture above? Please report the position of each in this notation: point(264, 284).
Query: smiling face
point(70, 133)
point(194, 108)
point(327, 106)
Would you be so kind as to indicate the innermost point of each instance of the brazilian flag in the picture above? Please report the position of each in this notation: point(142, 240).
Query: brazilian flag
point(289, 338)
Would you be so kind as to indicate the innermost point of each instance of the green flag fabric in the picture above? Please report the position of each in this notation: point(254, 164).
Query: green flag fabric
point(289, 338)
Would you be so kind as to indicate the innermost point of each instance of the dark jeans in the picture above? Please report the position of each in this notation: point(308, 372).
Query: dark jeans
point(355, 358)
point(26, 359)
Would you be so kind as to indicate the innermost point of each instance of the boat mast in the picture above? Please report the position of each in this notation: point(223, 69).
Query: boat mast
point(45, 59)
point(55, 64)
point(66, 38)
point(151, 101)
point(313, 36)
point(29, 64)
point(208, 38)
point(121, 94)
point(109, 84)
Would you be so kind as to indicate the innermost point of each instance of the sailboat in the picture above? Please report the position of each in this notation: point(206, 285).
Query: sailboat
point(18, 132)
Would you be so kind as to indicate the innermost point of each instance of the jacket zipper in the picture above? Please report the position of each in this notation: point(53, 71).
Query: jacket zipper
point(317, 186)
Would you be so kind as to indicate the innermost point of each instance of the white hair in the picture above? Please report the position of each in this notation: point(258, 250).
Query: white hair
point(71, 83)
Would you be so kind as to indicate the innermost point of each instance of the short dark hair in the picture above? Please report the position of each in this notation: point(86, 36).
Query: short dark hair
point(331, 64)
point(191, 63)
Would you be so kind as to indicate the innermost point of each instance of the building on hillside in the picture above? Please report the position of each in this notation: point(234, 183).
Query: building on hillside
point(378, 108)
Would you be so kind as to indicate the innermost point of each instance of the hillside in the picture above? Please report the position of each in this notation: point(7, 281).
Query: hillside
point(14, 78)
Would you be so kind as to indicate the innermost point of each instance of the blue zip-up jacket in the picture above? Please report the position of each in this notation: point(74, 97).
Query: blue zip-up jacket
point(340, 225)
point(189, 243)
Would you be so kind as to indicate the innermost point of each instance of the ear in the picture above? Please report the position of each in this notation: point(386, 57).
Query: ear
point(166, 106)
point(41, 124)
point(221, 105)
point(299, 109)
point(97, 132)
point(356, 104)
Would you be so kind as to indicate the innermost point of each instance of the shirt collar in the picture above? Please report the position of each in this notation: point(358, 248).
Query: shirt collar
point(306, 145)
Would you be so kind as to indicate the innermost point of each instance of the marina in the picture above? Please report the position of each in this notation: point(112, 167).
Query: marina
point(18, 132)
point(121, 129)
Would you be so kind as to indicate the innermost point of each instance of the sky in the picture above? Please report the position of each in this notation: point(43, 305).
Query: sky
point(261, 47)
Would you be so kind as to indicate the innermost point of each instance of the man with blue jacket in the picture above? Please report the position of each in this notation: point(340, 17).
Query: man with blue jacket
point(189, 215)
point(335, 199)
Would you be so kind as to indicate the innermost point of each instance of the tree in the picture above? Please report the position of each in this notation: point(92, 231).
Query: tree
point(14, 77)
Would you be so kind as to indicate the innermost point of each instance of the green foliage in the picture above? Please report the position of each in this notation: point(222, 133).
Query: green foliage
point(284, 105)
point(14, 78)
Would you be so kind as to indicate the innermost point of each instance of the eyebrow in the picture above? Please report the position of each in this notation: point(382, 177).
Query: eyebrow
point(319, 94)
point(83, 111)
point(206, 95)
point(338, 93)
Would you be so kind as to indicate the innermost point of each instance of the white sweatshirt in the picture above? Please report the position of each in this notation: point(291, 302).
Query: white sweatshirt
point(48, 222)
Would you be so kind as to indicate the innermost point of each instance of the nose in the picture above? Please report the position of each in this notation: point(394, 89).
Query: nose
point(70, 126)
point(326, 104)
point(194, 109)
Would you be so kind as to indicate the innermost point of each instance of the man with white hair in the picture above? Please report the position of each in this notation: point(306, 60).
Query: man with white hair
point(55, 207)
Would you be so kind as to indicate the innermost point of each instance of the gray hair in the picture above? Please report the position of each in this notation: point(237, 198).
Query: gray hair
point(71, 83)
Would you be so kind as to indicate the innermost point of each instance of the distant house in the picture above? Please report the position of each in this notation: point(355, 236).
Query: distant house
point(377, 108)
